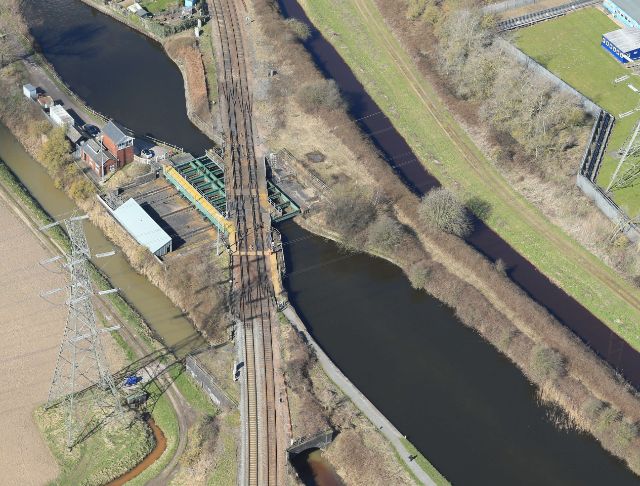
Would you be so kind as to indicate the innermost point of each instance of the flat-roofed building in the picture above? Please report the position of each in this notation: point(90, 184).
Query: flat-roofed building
point(143, 228)
point(623, 44)
point(626, 12)
point(60, 116)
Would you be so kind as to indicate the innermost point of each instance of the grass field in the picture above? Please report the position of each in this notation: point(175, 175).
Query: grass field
point(411, 102)
point(156, 6)
point(570, 48)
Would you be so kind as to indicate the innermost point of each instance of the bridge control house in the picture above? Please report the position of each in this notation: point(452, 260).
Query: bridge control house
point(623, 44)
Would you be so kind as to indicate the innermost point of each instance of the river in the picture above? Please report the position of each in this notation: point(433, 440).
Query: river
point(465, 406)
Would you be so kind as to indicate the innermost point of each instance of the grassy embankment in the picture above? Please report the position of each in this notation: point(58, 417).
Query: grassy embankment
point(412, 104)
point(570, 48)
point(424, 463)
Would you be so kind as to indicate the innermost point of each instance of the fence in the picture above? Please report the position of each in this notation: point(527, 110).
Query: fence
point(589, 106)
point(535, 17)
point(207, 383)
point(507, 5)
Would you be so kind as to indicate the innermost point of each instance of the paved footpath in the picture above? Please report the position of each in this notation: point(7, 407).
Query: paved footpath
point(349, 389)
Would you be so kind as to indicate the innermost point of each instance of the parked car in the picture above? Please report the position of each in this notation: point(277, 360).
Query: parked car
point(147, 153)
point(91, 130)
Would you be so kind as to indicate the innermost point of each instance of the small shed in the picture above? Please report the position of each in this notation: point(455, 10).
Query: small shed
point(143, 228)
point(60, 116)
point(73, 135)
point(30, 91)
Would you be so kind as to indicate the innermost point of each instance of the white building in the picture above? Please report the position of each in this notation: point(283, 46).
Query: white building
point(60, 116)
point(30, 91)
point(143, 228)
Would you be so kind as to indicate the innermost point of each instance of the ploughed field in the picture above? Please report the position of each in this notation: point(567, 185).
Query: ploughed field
point(30, 336)
point(569, 47)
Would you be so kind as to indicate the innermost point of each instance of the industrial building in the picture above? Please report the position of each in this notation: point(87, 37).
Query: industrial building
point(143, 228)
point(623, 44)
point(625, 11)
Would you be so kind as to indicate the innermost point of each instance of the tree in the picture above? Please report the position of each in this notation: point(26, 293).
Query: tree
point(320, 94)
point(56, 151)
point(301, 30)
point(385, 233)
point(442, 209)
point(351, 212)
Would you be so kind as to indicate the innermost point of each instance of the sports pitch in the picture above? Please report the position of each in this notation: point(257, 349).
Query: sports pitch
point(570, 48)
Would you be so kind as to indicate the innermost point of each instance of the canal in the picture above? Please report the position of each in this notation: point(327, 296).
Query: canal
point(464, 405)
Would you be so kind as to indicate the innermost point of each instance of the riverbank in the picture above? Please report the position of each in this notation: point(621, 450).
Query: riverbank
point(447, 268)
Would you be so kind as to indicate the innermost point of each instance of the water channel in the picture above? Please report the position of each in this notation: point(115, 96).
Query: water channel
point(464, 405)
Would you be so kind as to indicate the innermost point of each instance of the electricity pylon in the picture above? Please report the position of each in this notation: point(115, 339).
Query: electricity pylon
point(81, 380)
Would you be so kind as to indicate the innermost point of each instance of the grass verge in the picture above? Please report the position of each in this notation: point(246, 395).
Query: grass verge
point(414, 107)
point(424, 464)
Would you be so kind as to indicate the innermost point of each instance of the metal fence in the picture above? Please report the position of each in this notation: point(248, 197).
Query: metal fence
point(507, 5)
point(589, 106)
point(208, 384)
point(549, 13)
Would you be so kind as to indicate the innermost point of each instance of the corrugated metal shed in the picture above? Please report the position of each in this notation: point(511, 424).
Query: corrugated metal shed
point(143, 228)
point(626, 40)
point(60, 116)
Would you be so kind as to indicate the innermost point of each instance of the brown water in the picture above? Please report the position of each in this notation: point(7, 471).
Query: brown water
point(165, 319)
point(315, 470)
point(161, 445)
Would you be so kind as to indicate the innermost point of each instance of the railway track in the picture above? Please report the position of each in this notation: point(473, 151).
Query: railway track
point(252, 291)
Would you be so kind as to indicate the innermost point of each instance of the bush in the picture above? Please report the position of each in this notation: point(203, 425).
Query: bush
point(351, 213)
point(442, 209)
point(546, 363)
point(299, 29)
point(419, 275)
point(320, 94)
point(385, 234)
point(56, 151)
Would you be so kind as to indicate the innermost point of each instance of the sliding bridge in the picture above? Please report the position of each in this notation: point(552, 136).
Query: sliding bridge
point(202, 181)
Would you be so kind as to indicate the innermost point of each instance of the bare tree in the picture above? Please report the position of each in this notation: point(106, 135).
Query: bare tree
point(442, 209)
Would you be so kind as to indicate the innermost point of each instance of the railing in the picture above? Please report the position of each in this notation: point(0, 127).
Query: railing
point(208, 384)
point(535, 17)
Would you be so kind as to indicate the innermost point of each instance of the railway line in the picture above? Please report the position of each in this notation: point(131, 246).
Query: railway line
point(252, 291)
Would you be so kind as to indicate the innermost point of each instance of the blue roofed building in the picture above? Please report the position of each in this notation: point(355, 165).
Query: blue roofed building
point(623, 44)
point(625, 11)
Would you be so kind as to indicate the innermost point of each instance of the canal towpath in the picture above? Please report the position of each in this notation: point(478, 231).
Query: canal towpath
point(384, 426)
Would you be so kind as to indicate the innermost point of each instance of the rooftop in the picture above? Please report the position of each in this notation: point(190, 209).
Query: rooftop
point(115, 133)
point(141, 226)
point(625, 39)
point(96, 152)
point(632, 7)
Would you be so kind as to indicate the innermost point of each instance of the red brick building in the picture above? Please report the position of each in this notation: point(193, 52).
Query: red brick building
point(118, 143)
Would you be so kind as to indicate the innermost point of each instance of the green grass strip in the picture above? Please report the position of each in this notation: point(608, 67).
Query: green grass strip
point(424, 464)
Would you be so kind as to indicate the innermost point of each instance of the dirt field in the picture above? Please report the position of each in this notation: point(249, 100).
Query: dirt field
point(30, 336)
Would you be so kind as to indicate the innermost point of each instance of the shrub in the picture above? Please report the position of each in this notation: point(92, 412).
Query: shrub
point(442, 209)
point(81, 189)
point(299, 29)
point(56, 151)
point(385, 233)
point(419, 275)
point(351, 213)
point(320, 94)
point(546, 363)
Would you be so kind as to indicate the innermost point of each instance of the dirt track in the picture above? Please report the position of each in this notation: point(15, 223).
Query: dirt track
point(29, 338)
